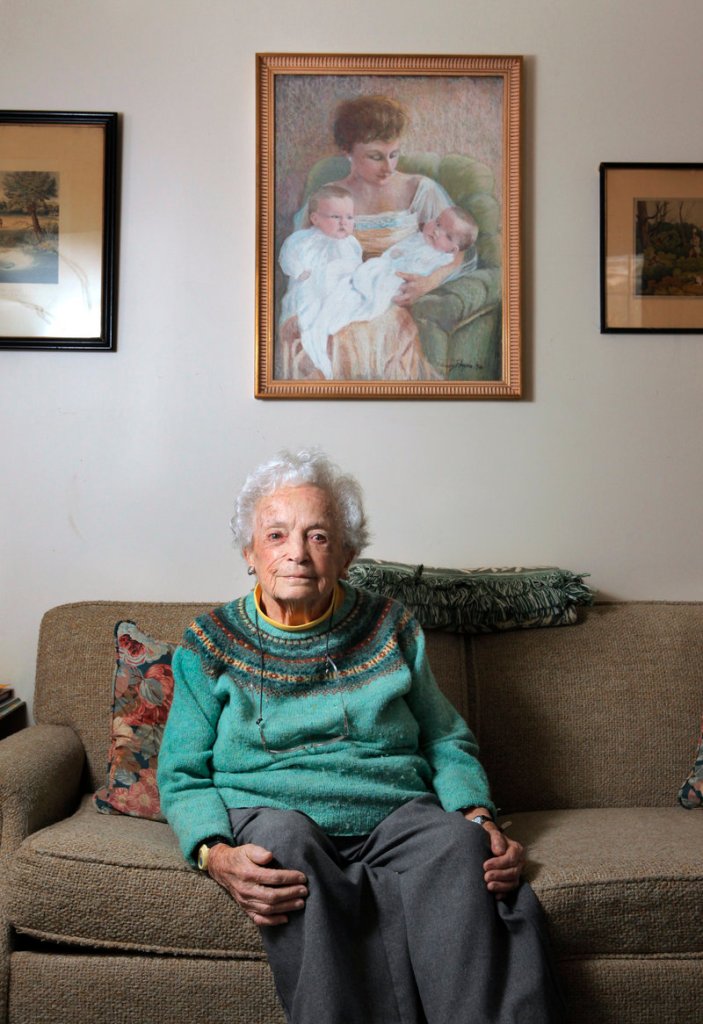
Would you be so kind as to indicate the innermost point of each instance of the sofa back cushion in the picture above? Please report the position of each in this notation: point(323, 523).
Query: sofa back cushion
point(602, 714)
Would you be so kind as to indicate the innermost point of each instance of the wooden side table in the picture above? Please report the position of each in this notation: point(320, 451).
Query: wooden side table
point(13, 720)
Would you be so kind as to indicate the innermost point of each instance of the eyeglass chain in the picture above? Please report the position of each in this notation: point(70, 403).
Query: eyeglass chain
point(328, 662)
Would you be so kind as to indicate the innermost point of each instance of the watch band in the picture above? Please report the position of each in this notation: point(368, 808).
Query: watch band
point(204, 850)
point(480, 819)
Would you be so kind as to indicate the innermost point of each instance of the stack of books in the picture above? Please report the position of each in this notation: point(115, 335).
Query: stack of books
point(8, 701)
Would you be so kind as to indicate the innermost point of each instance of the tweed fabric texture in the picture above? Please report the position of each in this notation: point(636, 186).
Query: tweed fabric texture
point(30, 761)
point(66, 989)
point(598, 715)
point(610, 881)
point(448, 657)
point(617, 881)
point(633, 990)
point(112, 881)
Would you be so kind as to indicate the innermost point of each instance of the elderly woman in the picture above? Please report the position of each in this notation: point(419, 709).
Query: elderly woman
point(312, 767)
point(389, 205)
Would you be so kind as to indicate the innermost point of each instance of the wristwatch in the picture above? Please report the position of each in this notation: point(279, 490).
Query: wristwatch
point(204, 850)
point(480, 819)
point(203, 857)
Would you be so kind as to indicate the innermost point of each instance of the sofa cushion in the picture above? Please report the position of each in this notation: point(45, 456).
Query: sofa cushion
point(119, 882)
point(596, 715)
point(477, 600)
point(142, 695)
point(691, 793)
point(617, 881)
point(611, 881)
point(73, 987)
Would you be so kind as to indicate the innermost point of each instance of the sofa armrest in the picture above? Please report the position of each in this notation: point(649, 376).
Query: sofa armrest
point(40, 776)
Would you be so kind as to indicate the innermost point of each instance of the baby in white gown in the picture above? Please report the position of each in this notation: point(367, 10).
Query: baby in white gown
point(316, 259)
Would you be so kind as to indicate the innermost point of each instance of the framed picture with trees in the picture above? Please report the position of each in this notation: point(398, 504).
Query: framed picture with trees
point(651, 248)
point(58, 210)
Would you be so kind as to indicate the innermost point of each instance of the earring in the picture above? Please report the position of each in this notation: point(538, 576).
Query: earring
point(251, 571)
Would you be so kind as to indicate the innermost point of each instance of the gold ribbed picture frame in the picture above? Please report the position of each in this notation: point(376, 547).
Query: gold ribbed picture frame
point(452, 153)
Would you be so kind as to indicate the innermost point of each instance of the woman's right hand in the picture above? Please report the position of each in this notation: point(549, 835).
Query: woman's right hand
point(266, 894)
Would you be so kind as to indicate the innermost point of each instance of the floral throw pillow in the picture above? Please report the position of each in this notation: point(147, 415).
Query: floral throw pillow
point(142, 696)
point(691, 793)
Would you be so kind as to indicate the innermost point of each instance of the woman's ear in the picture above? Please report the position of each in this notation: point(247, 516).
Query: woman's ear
point(345, 568)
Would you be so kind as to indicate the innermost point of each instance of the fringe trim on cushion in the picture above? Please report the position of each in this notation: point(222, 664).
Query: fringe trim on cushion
point(478, 600)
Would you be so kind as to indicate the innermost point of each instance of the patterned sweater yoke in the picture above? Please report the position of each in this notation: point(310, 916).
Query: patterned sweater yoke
point(365, 638)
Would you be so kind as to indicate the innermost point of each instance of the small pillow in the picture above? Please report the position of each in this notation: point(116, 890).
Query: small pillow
point(691, 793)
point(142, 695)
point(477, 600)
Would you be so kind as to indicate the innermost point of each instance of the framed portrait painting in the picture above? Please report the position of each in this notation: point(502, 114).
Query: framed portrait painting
point(388, 226)
point(651, 248)
point(58, 198)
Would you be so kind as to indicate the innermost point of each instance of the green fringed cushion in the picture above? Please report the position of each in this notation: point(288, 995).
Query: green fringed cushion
point(477, 600)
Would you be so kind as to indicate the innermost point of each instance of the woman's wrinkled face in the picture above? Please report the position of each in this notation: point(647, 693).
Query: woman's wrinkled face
point(297, 553)
point(374, 162)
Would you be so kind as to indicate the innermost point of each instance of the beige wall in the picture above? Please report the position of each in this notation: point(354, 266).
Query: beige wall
point(117, 471)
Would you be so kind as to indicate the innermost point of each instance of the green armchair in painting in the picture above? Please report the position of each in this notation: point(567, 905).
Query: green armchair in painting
point(460, 323)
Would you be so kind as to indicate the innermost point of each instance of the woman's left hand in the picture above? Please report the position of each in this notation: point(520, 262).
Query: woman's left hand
point(414, 286)
point(502, 871)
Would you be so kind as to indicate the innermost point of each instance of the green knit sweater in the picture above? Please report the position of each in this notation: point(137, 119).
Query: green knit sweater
point(346, 746)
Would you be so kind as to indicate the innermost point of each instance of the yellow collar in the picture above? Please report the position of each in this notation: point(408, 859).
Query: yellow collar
point(337, 600)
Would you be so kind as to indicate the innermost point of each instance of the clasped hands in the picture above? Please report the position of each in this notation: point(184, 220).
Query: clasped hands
point(267, 895)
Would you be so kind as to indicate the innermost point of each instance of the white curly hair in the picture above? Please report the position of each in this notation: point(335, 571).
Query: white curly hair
point(294, 469)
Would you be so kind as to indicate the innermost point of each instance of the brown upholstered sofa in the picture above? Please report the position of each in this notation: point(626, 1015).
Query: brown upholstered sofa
point(587, 732)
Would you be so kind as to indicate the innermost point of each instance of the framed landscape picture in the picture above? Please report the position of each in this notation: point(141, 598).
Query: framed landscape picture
point(651, 248)
point(388, 226)
point(58, 197)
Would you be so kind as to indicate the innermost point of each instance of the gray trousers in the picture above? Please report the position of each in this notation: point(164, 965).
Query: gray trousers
point(399, 928)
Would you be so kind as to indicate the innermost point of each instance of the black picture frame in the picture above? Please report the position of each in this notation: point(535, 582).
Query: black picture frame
point(58, 230)
point(651, 248)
